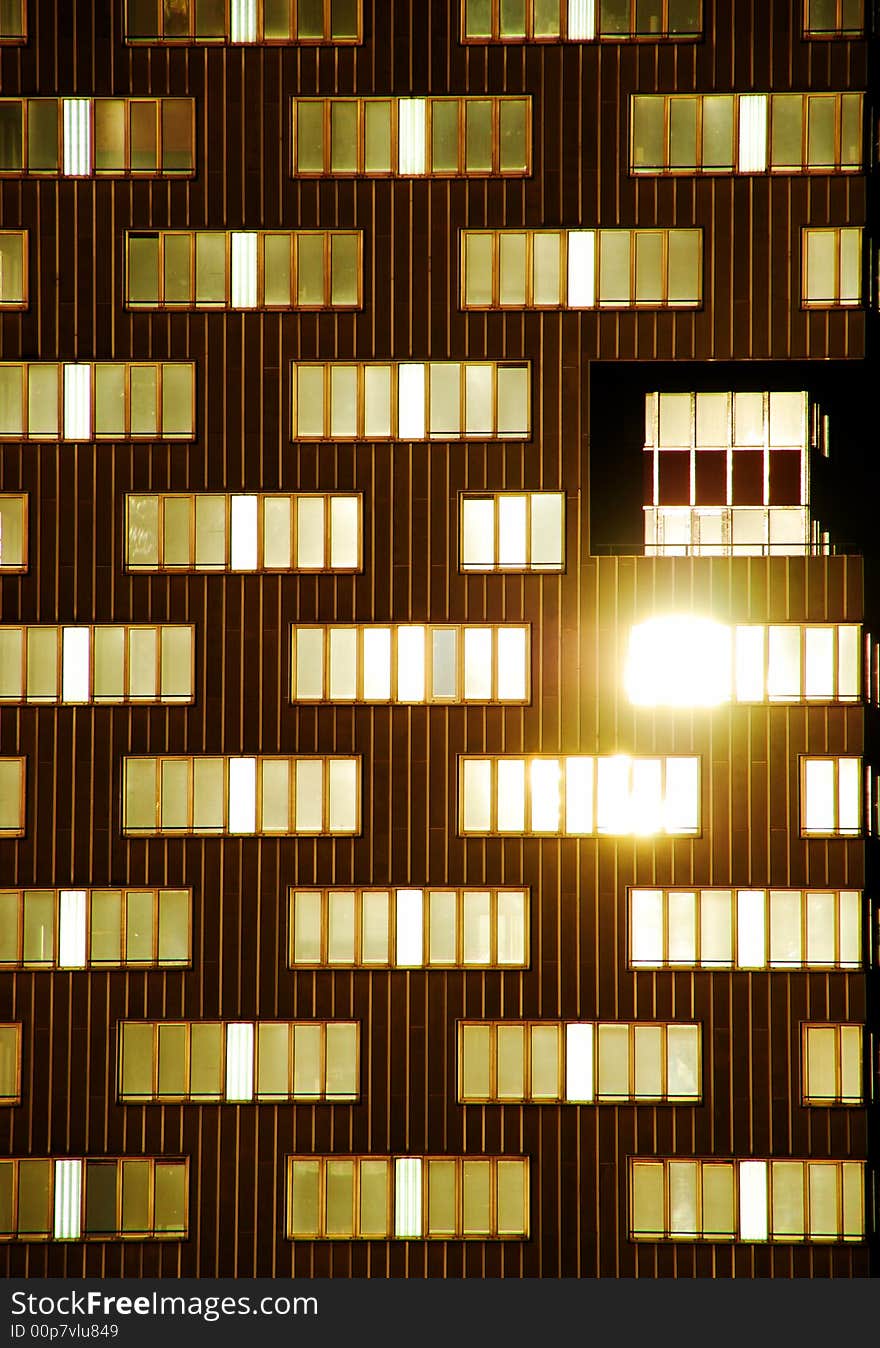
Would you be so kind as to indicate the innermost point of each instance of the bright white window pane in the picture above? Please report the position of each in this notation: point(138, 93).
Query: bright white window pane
point(547, 528)
point(343, 791)
point(579, 815)
point(407, 1196)
point(77, 402)
point(753, 1200)
point(713, 420)
point(344, 518)
point(850, 265)
point(788, 420)
point(377, 663)
point(478, 663)
point(646, 926)
point(511, 927)
point(786, 937)
point(750, 664)
point(477, 533)
point(244, 270)
point(476, 790)
point(581, 269)
point(68, 1200)
point(309, 667)
point(243, 20)
point(410, 927)
point(310, 532)
point(646, 796)
point(682, 924)
point(411, 664)
point(751, 950)
point(676, 421)
point(445, 398)
point(77, 137)
point(512, 530)
point(783, 663)
point(343, 664)
point(242, 795)
point(581, 20)
point(240, 1061)
point(411, 402)
point(752, 157)
point(546, 277)
point(75, 662)
point(72, 929)
point(512, 662)
point(478, 400)
point(412, 114)
point(818, 805)
point(377, 401)
point(579, 1063)
point(243, 548)
point(544, 789)
point(818, 662)
point(613, 810)
point(511, 787)
point(681, 807)
point(849, 795)
point(848, 661)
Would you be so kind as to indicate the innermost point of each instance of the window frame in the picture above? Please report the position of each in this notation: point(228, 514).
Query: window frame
point(14, 1096)
point(837, 832)
point(528, 567)
point(806, 301)
point(824, 35)
point(20, 38)
point(21, 828)
point(94, 435)
point(20, 305)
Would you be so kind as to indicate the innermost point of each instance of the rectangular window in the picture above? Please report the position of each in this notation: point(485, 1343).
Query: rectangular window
point(259, 269)
point(306, 22)
point(12, 797)
point(407, 1197)
point(240, 796)
point(96, 1198)
point(832, 1064)
point(425, 400)
point(412, 663)
point(578, 20)
point(745, 929)
point(104, 400)
point(10, 1064)
point(13, 21)
point(411, 137)
point(747, 1201)
point(831, 797)
point(581, 268)
point(834, 18)
point(87, 137)
point(579, 796)
point(409, 928)
point(13, 531)
point(95, 928)
point(566, 1062)
point(511, 531)
point(302, 531)
point(735, 531)
point(13, 269)
point(142, 663)
point(745, 133)
point(239, 1061)
point(682, 661)
point(832, 267)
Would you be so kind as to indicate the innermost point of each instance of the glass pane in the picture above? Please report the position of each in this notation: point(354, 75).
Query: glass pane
point(478, 136)
point(343, 136)
point(309, 19)
point(11, 388)
point(276, 269)
point(786, 118)
point(109, 400)
point(377, 135)
point(441, 1220)
point(273, 1060)
point(820, 130)
point(305, 926)
point(513, 18)
point(143, 269)
point(42, 134)
point(12, 278)
point(105, 927)
point(344, 19)
point(514, 135)
point(139, 921)
point(374, 1198)
point(136, 1187)
point(478, 18)
point(100, 1196)
point(444, 135)
point(210, 18)
point(172, 1040)
point(11, 137)
point(340, 1198)
point(375, 927)
point(309, 122)
point(685, 263)
point(310, 266)
point(34, 1216)
point(649, 267)
point(38, 927)
point(546, 18)
point(175, 17)
point(207, 1061)
point(546, 268)
point(170, 1210)
point(647, 131)
point(614, 265)
point(513, 266)
point(174, 920)
point(476, 1196)
point(210, 530)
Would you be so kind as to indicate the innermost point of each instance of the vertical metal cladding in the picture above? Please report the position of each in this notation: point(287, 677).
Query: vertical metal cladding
point(751, 1022)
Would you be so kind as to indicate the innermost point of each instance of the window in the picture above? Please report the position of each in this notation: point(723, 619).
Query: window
point(97, 664)
point(10, 1065)
point(831, 797)
point(745, 929)
point(686, 662)
point(578, 20)
point(745, 1200)
point(734, 531)
point(302, 531)
point(84, 137)
point(614, 795)
point(409, 928)
point(107, 400)
point(411, 137)
point(512, 531)
point(410, 663)
point(832, 1064)
point(239, 796)
point(745, 133)
point(834, 18)
point(100, 1198)
point(13, 531)
point(243, 21)
point(433, 400)
point(238, 1062)
point(414, 1197)
point(576, 1063)
point(95, 928)
point(13, 267)
point(832, 267)
point(216, 269)
point(12, 800)
point(581, 268)
point(13, 20)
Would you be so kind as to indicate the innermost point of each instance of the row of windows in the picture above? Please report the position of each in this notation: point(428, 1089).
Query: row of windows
point(579, 20)
point(93, 1199)
point(245, 21)
point(81, 137)
point(727, 477)
point(726, 420)
point(95, 928)
point(131, 663)
point(733, 531)
point(97, 400)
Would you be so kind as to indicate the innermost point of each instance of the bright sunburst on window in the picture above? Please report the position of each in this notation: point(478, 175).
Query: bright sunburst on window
point(679, 662)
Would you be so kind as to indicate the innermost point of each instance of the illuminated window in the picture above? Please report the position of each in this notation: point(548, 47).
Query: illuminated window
point(409, 928)
point(94, 928)
point(407, 1197)
point(12, 797)
point(745, 929)
point(581, 268)
point(302, 531)
point(234, 796)
point(13, 531)
point(831, 797)
point(410, 663)
point(13, 269)
point(105, 1198)
point(239, 1062)
point(258, 269)
point(834, 18)
point(688, 662)
point(10, 1064)
point(425, 400)
point(512, 531)
point(745, 133)
point(13, 20)
point(578, 20)
point(729, 531)
point(832, 267)
point(614, 795)
point(244, 21)
point(569, 1062)
point(96, 664)
point(411, 137)
point(832, 1064)
point(105, 400)
point(85, 137)
point(747, 1201)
